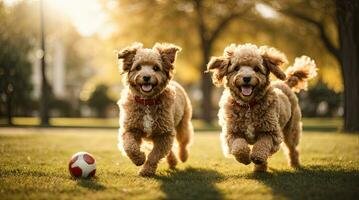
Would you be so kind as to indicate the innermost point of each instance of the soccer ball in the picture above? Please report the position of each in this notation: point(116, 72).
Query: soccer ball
point(82, 164)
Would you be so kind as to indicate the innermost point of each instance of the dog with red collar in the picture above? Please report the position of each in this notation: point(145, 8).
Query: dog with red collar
point(153, 108)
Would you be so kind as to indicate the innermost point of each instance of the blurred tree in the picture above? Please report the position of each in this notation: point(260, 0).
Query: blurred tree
point(311, 101)
point(344, 16)
point(99, 100)
point(16, 41)
point(63, 50)
point(45, 87)
point(61, 107)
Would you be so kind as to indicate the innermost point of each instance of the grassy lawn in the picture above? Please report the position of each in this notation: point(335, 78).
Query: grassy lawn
point(33, 165)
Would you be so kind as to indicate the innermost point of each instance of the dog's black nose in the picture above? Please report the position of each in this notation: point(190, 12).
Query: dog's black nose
point(146, 78)
point(246, 79)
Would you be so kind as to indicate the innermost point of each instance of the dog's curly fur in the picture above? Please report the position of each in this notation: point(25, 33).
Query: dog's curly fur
point(170, 116)
point(254, 111)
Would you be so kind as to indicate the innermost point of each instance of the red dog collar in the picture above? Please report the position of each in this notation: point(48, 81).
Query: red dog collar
point(147, 102)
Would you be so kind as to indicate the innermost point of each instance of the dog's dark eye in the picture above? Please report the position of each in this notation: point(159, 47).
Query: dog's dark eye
point(256, 69)
point(138, 67)
point(156, 68)
point(237, 68)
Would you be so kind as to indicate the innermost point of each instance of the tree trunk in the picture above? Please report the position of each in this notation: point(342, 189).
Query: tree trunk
point(206, 84)
point(9, 109)
point(44, 112)
point(348, 29)
point(206, 47)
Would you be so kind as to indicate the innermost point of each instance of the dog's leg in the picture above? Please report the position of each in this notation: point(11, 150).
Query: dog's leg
point(293, 155)
point(291, 140)
point(261, 167)
point(161, 147)
point(239, 149)
point(184, 136)
point(262, 149)
point(131, 145)
point(172, 160)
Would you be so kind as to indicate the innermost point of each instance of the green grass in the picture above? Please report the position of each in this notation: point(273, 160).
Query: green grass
point(33, 165)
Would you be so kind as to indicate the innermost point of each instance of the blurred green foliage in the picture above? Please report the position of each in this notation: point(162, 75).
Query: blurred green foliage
point(16, 42)
point(320, 101)
point(100, 101)
point(90, 60)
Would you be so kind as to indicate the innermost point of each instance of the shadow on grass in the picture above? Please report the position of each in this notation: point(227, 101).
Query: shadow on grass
point(90, 184)
point(312, 182)
point(191, 183)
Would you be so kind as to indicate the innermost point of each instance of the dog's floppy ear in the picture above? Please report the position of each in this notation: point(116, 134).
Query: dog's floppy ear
point(273, 60)
point(218, 65)
point(127, 54)
point(168, 52)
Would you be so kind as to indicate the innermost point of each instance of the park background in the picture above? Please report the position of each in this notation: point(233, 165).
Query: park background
point(60, 81)
point(77, 75)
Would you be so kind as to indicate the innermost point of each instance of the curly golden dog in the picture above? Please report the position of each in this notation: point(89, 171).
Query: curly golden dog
point(153, 109)
point(254, 111)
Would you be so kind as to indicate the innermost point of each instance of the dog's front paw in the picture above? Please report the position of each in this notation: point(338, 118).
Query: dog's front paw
point(147, 172)
point(295, 164)
point(183, 154)
point(243, 158)
point(139, 159)
point(241, 151)
point(172, 161)
point(258, 159)
point(261, 168)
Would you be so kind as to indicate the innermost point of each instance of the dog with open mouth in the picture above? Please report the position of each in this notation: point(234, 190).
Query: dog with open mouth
point(153, 108)
point(254, 111)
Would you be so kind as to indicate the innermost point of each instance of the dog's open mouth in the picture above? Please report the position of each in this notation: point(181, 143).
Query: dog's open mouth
point(147, 87)
point(246, 90)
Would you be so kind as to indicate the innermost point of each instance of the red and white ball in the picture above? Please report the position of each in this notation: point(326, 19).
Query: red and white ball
point(82, 164)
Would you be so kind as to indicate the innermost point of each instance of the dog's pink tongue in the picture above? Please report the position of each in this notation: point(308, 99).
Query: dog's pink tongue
point(246, 90)
point(146, 88)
